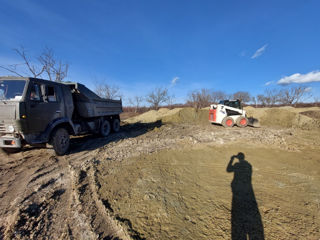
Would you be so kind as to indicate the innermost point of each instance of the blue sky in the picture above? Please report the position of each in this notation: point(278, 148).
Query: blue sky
point(142, 44)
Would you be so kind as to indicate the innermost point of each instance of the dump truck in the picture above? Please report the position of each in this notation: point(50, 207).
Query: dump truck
point(230, 112)
point(35, 111)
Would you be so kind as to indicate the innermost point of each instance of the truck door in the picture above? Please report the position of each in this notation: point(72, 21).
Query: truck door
point(45, 104)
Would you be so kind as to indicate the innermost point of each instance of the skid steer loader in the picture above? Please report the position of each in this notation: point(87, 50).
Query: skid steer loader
point(230, 112)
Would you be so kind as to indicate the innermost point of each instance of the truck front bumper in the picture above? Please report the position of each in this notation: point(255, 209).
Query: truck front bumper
point(10, 142)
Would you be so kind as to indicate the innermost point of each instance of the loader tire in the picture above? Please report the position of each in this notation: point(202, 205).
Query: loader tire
point(228, 122)
point(60, 141)
point(242, 122)
point(105, 128)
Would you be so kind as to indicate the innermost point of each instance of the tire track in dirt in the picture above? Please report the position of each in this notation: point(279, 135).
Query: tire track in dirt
point(94, 215)
point(90, 214)
point(34, 193)
point(43, 196)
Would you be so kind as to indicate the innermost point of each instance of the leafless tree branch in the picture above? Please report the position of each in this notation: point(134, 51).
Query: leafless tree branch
point(9, 69)
point(46, 64)
point(199, 99)
point(157, 96)
point(136, 101)
point(107, 91)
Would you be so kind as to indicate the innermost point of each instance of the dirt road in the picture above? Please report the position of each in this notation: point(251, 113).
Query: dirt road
point(153, 181)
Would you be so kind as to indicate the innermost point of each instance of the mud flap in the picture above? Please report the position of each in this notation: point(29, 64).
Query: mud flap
point(253, 122)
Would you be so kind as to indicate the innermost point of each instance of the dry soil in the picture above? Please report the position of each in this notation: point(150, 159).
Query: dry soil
point(171, 178)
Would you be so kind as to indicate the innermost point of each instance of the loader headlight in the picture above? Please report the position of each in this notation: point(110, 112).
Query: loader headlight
point(10, 129)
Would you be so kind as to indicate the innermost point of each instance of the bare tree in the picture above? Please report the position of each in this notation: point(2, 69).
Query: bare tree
point(254, 101)
point(287, 96)
point(170, 101)
point(200, 99)
point(56, 70)
point(157, 96)
point(293, 95)
point(261, 99)
point(269, 98)
point(242, 96)
point(216, 96)
point(272, 96)
point(46, 63)
point(107, 91)
point(193, 99)
point(136, 101)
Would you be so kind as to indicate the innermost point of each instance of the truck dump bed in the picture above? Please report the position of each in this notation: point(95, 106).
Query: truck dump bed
point(89, 105)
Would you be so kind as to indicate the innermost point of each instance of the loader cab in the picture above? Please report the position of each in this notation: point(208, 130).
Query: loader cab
point(231, 103)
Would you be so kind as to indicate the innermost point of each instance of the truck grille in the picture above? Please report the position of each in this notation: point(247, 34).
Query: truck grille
point(2, 128)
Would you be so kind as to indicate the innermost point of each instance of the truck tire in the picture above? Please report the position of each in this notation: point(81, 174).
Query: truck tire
point(105, 128)
point(228, 122)
point(60, 141)
point(242, 122)
point(11, 150)
point(116, 125)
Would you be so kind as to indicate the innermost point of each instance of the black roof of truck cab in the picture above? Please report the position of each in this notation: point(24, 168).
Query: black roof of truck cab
point(12, 87)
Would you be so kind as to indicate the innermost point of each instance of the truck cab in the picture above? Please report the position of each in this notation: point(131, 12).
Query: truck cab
point(30, 109)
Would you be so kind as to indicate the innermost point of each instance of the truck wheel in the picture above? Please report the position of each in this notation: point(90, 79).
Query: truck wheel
point(60, 141)
point(242, 122)
point(228, 122)
point(105, 128)
point(11, 150)
point(116, 125)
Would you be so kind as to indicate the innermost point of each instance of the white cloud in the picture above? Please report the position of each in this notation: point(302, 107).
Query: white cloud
point(308, 89)
point(174, 81)
point(259, 52)
point(269, 83)
point(313, 76)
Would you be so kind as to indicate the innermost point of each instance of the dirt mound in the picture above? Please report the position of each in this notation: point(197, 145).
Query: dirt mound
point(177, 115)
point(188, 115)
point(312, 114)
point(286, 117)
point(153, 115)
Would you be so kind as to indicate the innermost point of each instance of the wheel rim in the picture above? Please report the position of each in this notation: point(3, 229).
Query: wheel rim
point(229, 122)
point(243, 121)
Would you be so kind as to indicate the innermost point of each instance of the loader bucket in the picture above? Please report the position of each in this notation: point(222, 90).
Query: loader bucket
point(253, 122)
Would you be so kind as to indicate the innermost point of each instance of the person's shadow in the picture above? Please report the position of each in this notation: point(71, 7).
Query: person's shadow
point(246, 220)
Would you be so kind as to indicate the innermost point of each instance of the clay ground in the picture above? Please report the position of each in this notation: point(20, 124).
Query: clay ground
point(166, 181)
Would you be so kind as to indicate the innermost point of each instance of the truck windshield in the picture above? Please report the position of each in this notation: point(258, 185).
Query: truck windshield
point(11, 89)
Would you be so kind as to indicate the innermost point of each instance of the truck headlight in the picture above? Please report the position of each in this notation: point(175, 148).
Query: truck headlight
point(10, 129)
